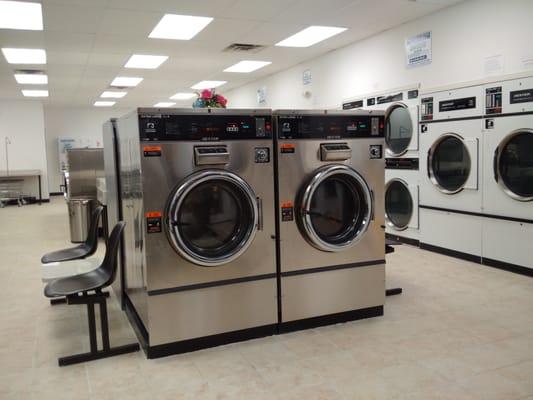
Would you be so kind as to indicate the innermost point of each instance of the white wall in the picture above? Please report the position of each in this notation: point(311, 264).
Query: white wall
point(76, 123)
point(23, 123)
point(463, 36)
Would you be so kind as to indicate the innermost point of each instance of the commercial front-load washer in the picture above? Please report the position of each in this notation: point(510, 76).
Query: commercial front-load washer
point(330, 173)
point(451, 172)
point(198, 200)
point(508, 178)
point(401, 108)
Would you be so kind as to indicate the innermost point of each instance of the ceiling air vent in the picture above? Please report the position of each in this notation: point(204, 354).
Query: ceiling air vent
point(244, 47)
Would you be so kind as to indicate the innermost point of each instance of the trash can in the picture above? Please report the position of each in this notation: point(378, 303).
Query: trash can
point(79, 212)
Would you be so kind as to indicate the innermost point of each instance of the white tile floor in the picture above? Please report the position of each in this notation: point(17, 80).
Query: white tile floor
point(459, 331)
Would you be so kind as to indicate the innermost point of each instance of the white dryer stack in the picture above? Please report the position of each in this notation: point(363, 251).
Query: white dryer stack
point(401, 108)
point(508, 178)
point(451, 171)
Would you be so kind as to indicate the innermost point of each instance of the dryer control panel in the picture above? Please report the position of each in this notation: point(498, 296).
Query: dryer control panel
point(205, 128)
point(330, 126)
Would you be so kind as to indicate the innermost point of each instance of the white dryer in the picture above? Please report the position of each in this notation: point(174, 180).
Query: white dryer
point(401, 108)
point(450, 171)
point(508, 181)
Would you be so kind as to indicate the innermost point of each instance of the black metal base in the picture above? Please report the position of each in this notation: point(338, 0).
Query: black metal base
point(517, 269)
point(84, 357)
point(205, 342)
point(291, 326)
point(94, 354)
point(451, 253)
point(59, 300)
point(412, 242)
point(393, 291)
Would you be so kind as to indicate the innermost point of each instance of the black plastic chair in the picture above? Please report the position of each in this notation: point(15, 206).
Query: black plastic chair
point(76, 290)
point(83, 250)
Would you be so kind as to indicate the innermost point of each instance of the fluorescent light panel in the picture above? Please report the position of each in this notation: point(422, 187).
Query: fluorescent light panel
point(208, 85)
point(104, 103)
point(35, 93)
point(113, 95)
point(183, 96)
point(145, 61)
point(179, 27)
point(31, 79)
point(126, 81)
point(164, 104)
point(310, 36)
point(24, 56)
point(247, 66)
point(21, 15)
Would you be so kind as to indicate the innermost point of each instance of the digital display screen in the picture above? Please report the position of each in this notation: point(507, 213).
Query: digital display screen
point(332, 127)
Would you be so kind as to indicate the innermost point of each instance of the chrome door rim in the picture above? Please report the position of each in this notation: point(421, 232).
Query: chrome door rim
point(387, 114)
point(500, 181)
point(387, 219)
point(176, 200)
point(305, 218)
point(431, 172)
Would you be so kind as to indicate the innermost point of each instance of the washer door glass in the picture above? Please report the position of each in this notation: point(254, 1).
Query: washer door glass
point(515, 164)
point(450, 163)
point(398, 204)
point(399, 130)
point(335, 208)
point(213, 218)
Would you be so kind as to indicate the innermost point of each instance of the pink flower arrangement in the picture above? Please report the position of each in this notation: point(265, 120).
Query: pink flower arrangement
point(208, 98)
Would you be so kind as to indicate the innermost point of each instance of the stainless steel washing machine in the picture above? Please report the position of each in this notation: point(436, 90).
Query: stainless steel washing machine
point(198, 200)
point(330, 174)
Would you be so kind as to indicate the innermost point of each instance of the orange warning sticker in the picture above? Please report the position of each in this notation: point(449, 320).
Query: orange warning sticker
point(287, 148)
point(152, 148)
point(287, 204)
point(154, 214)
point(152, 151)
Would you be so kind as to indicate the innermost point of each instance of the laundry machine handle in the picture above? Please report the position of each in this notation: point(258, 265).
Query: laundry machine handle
point(259, 214)
point(372, 203)
point(428, 164)
point(495, 164)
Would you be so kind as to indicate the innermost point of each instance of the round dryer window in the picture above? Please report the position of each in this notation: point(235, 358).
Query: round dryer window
point(398, 204)
point(399, 130)
point(449, 163)
point(514, 164)
point(335, 208)
point(212, 217)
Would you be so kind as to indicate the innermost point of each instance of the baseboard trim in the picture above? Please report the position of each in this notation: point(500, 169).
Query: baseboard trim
point(186, 346)
point(517, 269)
point(330, 319)
point(412, 242)
point(451, 253)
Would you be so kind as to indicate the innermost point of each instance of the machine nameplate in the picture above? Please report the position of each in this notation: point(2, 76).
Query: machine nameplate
point(330, 127)
point(352, 104)
point(457, 104)
point(521, 96)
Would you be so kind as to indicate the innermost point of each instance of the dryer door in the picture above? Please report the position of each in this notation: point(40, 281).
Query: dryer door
point(400, 130)
point(335, 208)
point(452, 163)
point(513, 164)
point(212, 217)
point(401, 204)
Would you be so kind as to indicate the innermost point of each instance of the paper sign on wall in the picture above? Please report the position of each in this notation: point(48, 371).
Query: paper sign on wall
point(261, 95)
point(64, 144)
point(307, 77)
point(418, 49)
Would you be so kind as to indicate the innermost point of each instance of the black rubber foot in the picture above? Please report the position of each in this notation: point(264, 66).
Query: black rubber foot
point(393, 292)
point(84, 357)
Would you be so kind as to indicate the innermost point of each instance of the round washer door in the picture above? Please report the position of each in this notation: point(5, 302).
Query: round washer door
point(398, 129)
point(513, 164)
point(335, 208)
point(398, 204)
point(212, 217)
point(449, 163)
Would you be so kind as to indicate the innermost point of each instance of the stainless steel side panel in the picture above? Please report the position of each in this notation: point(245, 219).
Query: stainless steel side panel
point(84, 166)
point(295, 169)
point(132, 212)
point(166, 269)
point(197, 313)
point(323, 293)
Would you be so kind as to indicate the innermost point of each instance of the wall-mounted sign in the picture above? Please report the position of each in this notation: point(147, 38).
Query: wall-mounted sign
point(418, 50)
point(261, 95)
point(307, 78)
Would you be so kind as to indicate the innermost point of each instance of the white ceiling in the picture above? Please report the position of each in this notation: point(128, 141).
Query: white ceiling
point(88, 42)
